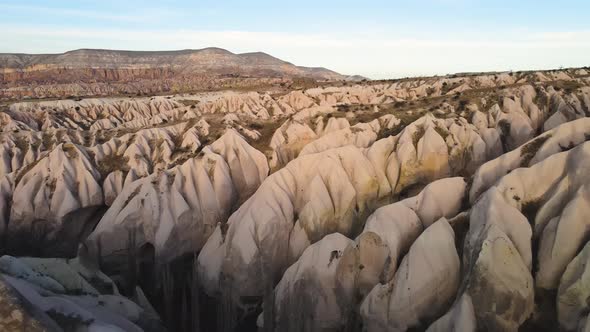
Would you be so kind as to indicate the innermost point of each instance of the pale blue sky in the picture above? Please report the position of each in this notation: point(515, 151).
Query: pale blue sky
point(374, 38)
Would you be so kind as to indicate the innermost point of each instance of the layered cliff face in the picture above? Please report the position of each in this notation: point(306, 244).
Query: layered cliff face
point(90, 72)
point(440, 204)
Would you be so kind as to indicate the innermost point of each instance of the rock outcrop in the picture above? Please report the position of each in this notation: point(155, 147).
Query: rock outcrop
point(360, 265)
point(309, 198)
point(54, 204)
point(60, 293)
point(423, 287)
point(176, 211)
point(439, 204)
point(110, 72)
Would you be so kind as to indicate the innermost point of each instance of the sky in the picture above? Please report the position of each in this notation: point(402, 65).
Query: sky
point(374, 38)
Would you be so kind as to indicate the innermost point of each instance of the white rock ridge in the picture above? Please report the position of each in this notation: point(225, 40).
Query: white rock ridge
point(363, 264)
point(61, 290)
point(175, 211)
point(423, 287)
point(54, 204)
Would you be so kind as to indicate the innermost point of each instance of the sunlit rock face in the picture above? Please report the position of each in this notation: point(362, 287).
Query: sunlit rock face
point(55, 203)
point(175, 211)
point(424, 285)
point(356, 267)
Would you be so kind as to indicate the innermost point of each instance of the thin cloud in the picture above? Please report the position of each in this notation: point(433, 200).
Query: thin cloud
point(136, 17)
point(187, 38)
point(582, 36)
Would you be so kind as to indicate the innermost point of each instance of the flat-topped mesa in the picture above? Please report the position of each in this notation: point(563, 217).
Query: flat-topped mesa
point(111, 72)
point(209, 60)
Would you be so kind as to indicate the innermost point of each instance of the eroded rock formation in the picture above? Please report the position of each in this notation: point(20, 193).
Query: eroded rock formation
point(441, 204)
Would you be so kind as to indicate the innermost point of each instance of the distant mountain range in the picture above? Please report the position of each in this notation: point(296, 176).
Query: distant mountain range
point(47, 75)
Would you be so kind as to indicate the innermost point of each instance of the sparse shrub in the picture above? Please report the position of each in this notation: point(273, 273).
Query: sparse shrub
point(35, 144)
point(189, 124)
point(399, 104)
point(104, 136)
point(189, 102)
point(417, 135)
point(59, 136)
point(386, 132)
point(256, 126)
point(567, 86)
point(343, 108)
point(111, 163)
point(70, 150)
point(462, 104)
point(177, 140)
point(22, 143)
point(155, 143)
point(24, 170)
point(68, 322)
point(442, 132)
point(530, 149)
point(48, 141)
